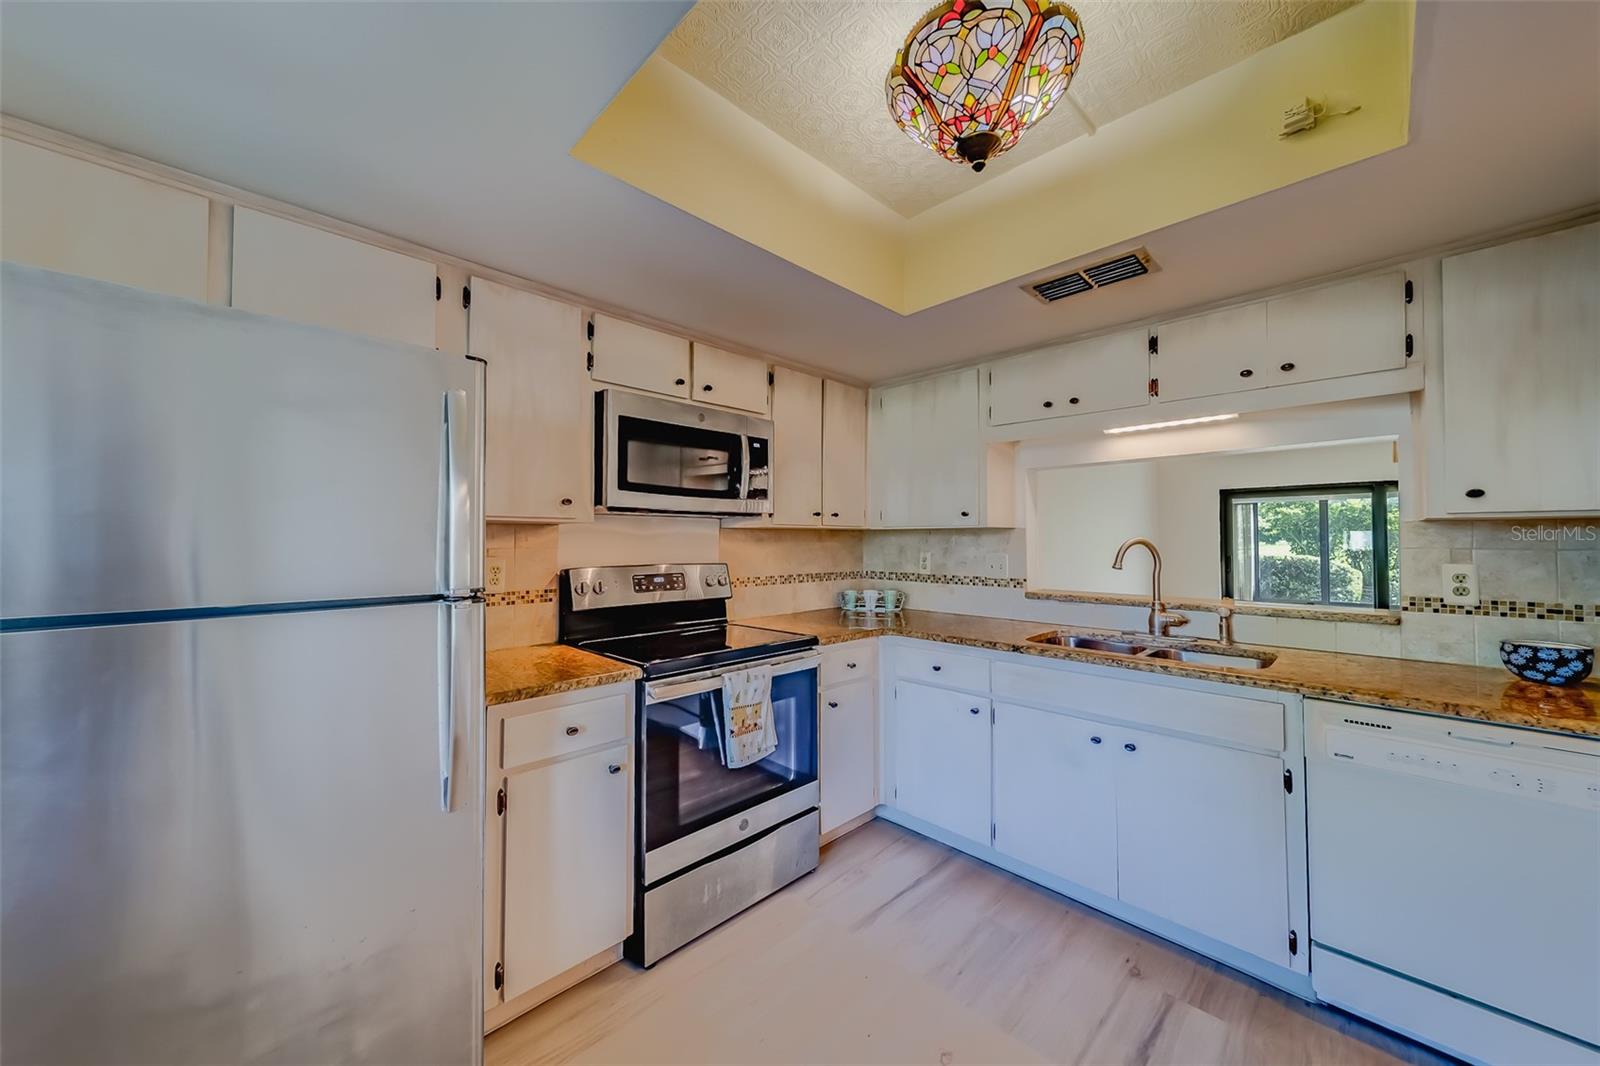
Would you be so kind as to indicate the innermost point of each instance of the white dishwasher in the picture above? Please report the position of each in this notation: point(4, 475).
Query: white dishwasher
point(1455, 881)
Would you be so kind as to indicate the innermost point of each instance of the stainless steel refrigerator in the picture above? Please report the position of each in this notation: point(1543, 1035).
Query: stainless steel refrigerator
point(241, 681)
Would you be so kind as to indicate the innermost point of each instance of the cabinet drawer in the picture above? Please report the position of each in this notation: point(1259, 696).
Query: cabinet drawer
point(935, 666)
point(563, 730)
point(849, 661)
point(1252, 723)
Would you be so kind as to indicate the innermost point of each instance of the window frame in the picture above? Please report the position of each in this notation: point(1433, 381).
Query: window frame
point(1383, 598)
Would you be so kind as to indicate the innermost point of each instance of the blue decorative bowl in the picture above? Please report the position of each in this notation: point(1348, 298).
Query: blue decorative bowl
point(1547, 663)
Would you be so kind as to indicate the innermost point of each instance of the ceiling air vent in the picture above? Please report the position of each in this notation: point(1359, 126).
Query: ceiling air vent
point(1129, 265)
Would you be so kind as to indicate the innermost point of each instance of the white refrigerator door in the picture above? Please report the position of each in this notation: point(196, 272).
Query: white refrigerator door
point(224, 841)
point(161, 455)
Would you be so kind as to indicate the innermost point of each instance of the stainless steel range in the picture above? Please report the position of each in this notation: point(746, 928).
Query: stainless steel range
point(711, 840)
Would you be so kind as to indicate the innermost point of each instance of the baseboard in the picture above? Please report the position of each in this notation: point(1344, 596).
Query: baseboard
point(848, 827)
point(1296, 984)
point(501, 1013)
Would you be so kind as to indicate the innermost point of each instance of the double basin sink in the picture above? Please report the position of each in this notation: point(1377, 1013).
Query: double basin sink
point(1183, 653)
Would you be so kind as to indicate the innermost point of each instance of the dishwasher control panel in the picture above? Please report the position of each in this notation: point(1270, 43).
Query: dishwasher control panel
point(1474, 760)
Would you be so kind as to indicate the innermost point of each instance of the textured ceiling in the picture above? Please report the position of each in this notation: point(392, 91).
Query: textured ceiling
point(813, 71)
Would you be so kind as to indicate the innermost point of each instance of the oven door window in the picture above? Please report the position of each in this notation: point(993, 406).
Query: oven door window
point(668, 459)
point(686, 787)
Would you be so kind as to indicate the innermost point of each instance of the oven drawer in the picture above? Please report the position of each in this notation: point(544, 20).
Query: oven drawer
point(933, 665)
point(563, 730)
point(849, 661)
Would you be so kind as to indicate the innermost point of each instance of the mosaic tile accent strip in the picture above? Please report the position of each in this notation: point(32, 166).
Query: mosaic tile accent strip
point(1556, 612)
point(971, 580)
point(520, 596)
point(768, 580)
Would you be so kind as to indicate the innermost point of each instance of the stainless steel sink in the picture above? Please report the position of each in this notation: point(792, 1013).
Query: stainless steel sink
point(1233, 660)
point(1063, 640)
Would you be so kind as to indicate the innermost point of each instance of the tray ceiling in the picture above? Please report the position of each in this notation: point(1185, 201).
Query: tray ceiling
point(812, 71)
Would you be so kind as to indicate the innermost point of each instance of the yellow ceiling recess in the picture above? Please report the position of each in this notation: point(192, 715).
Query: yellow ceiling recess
point(1210, 144)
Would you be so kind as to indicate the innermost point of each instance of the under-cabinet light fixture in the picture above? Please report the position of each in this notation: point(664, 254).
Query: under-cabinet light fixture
point(1174, 422)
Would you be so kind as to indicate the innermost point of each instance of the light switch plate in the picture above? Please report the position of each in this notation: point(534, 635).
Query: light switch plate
point(1460, 583)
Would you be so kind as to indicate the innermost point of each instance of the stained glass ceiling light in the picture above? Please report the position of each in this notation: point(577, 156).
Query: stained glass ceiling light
point(974, 75)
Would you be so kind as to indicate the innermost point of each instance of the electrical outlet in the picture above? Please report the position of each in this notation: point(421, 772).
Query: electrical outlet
point(1460, 583)
point(924, 562)
point(996, 564)
point(495, 571)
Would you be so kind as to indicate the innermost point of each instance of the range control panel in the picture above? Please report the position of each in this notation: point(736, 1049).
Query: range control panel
point(621, 586)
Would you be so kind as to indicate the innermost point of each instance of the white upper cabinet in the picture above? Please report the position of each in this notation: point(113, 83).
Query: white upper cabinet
point(1211, 354)
point(538, 456)
point(76, 217)
point(1102, 374)
point(1521, 367)
point(844, 455)
point(729, 380)
point(628, 354)
point(930, 468)
point(1354, 327)
point(294, 271)
point(796, 448)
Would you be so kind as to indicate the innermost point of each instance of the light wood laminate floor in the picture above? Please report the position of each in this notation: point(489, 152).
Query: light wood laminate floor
point(898, 949)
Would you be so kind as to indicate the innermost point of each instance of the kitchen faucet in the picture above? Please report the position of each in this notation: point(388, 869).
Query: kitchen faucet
point(1161, 619)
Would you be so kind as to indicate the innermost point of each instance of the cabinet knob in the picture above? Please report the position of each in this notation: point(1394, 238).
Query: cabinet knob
point(833, 514)
point(1285, 367)
point(1049, 403)
point(1475, 494)
point(851, 666)
point(937, 668)
point(566, 501)
point(679, 381)
point(614, 768)
point(1247, 373)
point(1072, 399)
point(973, 710)
point(705, 388)
point(816, 514)
point(966, 514)
point(1130, 747)
point(574, 730)
point(834, 704)
point(1094, 740)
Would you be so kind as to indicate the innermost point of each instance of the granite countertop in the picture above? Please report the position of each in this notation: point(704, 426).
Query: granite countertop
point(1478, 692)
point(546, 669)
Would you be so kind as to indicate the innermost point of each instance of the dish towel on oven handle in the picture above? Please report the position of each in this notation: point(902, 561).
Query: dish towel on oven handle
point(748, 730)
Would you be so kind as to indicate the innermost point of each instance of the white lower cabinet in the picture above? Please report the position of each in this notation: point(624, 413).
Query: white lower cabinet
point(940, 754)
point(1201, 839)
point(848, 752)
point(558, 845)
point(1052, 787)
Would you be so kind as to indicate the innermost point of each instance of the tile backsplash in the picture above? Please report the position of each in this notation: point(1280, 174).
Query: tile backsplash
point(1536, 581)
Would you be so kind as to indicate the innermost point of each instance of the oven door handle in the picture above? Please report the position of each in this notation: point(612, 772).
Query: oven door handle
point(711, 681)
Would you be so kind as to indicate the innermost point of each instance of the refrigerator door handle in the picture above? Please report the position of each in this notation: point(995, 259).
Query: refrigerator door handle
point(458, 493)
point(447, 702)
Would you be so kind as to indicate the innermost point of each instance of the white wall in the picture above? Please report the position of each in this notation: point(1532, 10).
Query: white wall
point(1083, 514)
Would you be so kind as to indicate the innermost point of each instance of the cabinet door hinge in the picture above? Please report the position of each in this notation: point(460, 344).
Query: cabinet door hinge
point(991, 412)
point(500, 802)
point(772, 379)
point(1155, 345)
point(991, 832)
point(1408, 346)
point(1294, 942)
point(1409, 291)
point(466, 296)
point(1288, 780)
point(499, 975)
point(438, 287)
point(588, 361)
point(1155, 386)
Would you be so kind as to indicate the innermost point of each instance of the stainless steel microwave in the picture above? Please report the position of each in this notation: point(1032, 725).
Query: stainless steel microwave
point(653, 454)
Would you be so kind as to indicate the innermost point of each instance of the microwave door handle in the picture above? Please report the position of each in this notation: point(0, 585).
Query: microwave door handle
point(744, 466)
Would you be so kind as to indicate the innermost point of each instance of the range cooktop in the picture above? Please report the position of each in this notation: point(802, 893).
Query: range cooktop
point(697, 647)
